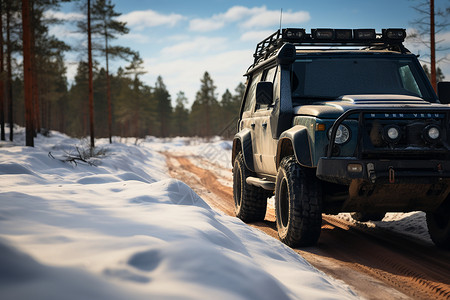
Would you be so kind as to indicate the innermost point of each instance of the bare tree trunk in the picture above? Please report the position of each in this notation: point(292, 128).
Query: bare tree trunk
point(36, 108)
point(91, 84)
point(28, 74)
point(2, 80)
point(9, 70)
point(108, 90)
point(432, 46)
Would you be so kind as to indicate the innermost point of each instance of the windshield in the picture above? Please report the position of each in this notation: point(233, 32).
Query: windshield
point(332, 77)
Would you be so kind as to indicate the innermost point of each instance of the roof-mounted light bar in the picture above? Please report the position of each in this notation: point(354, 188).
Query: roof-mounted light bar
point(391, 38)
point(356, 35)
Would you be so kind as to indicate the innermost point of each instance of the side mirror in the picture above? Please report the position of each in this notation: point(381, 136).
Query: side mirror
point(443, 89)
point(264, 93)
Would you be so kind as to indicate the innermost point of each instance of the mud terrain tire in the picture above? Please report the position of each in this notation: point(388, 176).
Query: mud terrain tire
point(439, 225)
point(298, 204)
point(250, 202)
point(364, 217)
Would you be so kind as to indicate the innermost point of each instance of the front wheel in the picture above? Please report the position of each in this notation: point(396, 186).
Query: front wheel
point(298, 204)
point(439, 225)
point(250, 202)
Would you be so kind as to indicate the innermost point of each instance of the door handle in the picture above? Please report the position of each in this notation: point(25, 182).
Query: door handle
point(264, 125)
point(253, 125)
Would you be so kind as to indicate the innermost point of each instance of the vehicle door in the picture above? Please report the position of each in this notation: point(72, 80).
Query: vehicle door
point(247, 119)
point(265, 145)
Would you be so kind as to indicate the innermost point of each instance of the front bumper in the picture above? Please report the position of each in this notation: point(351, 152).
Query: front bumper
point(388, 185)
point(344, 170)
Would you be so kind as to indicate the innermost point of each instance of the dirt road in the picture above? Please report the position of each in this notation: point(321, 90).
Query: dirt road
point(378, 264)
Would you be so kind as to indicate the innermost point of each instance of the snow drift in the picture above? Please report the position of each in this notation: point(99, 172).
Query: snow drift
point(121, 229)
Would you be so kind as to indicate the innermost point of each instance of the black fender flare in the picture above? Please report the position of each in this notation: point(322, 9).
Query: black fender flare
point(242, 142)
point(295, 141)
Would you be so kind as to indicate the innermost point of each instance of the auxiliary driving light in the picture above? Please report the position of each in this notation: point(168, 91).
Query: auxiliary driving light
point(432, 133)
point(364, 34)
point(343, 34)
point(294, 33)
point(322, 34)
point(394, 34)
point(392, 133)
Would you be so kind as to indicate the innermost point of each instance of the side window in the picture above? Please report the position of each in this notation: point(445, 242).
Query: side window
point(408, 81)
point(251, 95)
point(269, 75)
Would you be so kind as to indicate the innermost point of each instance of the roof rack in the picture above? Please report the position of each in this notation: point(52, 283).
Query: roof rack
point(390, 39)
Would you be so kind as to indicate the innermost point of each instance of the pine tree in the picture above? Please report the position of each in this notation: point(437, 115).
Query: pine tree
point(2, 78)
point(135, 112)
point(164, 107)
point(12, 8)
point(205, 108)
point(181, 115)
point(108, 27)
point(28, 74)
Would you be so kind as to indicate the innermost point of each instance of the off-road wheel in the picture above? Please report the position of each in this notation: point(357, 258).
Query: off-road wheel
point(250, 202)
point(364, 217)
point(439, 225)
point(298, 204)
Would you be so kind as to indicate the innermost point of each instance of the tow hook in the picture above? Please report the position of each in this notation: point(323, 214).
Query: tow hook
point(391, 175)
point(371, 172)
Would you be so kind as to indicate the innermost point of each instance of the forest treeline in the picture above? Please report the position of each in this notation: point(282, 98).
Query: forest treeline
point(123, 105)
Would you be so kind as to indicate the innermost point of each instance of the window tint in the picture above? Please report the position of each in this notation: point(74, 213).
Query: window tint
point(332, 77)
point(408, 80)
point(251, 95)
point(268, 75)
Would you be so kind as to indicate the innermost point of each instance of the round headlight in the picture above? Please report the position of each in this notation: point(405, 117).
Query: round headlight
point(342, 134)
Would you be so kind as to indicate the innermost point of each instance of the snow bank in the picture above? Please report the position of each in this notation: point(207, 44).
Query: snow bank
point(123, 230)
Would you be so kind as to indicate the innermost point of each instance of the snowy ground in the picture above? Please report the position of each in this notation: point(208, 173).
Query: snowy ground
point(122, 229)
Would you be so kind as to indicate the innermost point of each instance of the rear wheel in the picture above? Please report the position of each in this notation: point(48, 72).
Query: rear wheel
point(364, 217)
point(439, 225)
point(298, 204)
point(250, 202)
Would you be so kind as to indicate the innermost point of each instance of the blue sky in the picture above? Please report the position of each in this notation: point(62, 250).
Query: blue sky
point(180, 40)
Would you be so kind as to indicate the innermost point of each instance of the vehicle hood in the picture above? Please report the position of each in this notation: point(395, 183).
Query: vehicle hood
point(334, 108)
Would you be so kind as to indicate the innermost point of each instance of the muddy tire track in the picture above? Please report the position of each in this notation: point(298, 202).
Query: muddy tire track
point(378, 264)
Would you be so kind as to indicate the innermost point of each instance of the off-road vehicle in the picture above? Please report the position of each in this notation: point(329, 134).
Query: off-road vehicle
point(341, 120)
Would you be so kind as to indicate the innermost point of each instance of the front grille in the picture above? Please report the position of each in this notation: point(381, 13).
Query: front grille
point(411, 141)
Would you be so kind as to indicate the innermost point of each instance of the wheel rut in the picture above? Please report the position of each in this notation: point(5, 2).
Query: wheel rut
point(378, 264)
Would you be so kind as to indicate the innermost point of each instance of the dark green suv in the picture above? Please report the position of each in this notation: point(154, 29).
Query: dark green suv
point(341, 120)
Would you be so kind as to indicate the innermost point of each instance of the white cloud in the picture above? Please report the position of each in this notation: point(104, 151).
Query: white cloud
point(256, 17)
point(204, 25)
point(271, 18)
point(237, 13)
point(51, 14)
point(149, 18)
point(196, 46)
